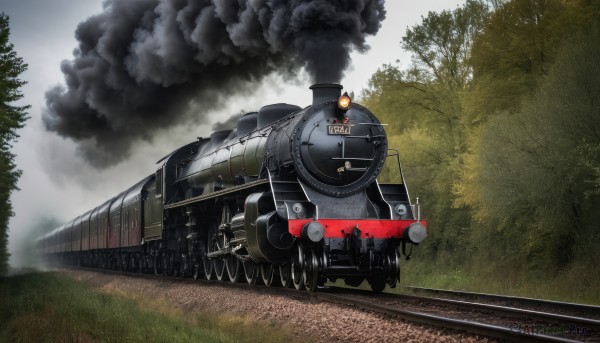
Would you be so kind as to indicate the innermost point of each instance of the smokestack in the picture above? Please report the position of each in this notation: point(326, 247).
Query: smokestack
point(147, 65)
point(323, 92)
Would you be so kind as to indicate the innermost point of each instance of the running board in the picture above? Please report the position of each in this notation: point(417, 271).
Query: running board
point(217, 194)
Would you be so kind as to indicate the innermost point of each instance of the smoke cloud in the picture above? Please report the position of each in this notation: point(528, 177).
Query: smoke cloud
point(147, 65)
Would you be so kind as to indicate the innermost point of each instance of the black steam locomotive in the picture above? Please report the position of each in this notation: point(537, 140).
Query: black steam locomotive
point(289, 196)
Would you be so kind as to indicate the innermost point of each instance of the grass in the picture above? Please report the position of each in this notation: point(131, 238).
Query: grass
point(575, 283)
point(50, 307)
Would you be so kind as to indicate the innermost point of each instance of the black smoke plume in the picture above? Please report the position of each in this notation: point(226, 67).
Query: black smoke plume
point(142, 65)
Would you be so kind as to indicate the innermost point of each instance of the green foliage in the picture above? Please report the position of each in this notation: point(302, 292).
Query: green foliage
point(442, 43)
point(497, 124)
point(48, 307)
point(11, 66)
point(518, 44)
point(428, 91)
point(539, 166)
point(11, 118)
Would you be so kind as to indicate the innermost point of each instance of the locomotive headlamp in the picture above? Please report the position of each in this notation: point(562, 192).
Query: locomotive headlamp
point(344, 102)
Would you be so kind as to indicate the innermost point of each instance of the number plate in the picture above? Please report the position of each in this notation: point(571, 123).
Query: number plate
point(338, 129)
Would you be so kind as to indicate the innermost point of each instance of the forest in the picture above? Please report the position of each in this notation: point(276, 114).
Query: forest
point(497, 118)
point(12, 118)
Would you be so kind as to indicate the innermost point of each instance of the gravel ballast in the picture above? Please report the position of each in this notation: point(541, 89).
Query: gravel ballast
point(306, 318)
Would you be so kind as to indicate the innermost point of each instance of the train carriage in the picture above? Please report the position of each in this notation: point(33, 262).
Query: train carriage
point(103, 225)
point(85, 231)
point(132, 213)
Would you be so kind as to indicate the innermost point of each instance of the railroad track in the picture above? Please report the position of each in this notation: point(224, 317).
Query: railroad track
point(503, 322)
point(490, 320)
point(574, 309)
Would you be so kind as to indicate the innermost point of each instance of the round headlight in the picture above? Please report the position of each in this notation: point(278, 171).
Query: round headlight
point(344, 102)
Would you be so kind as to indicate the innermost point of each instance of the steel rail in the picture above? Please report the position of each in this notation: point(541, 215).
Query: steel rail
point(445, 322)
point(467, 305)
point(531, 314)
point(588, 309)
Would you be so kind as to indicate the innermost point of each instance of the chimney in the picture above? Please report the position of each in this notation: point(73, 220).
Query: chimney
point(323, 92)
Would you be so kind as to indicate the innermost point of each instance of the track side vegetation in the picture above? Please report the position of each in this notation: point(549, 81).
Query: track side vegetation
point(498, 119)
point(51, 307)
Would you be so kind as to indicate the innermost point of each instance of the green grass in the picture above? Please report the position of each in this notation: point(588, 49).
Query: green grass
point(50, 307)
point(575, 283)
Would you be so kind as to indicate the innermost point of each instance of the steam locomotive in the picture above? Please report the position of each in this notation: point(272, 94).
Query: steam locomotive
point(290, 196)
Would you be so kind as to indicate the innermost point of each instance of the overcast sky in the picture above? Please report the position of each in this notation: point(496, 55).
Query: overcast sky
point(57, 183)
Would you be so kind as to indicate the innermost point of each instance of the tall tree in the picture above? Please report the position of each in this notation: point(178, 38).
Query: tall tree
point(429, 91)
point(423, 105)
point(441, 44)
point(12, 118)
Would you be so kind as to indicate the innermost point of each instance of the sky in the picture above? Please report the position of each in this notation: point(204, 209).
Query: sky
point(59, 184)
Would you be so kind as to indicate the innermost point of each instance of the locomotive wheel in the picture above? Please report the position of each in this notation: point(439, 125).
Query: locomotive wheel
point(207, 267)
point(196, 272)
point(220, 242)
point(233, 268)
point(393, 268)
point(285, 275)
point(377, 282)
point(310, 272)
point(251, 272)
point(267, 271)
point(296, 277)
point(211, 246)
point(219, 265)
point(354, 281)
point(296, 268)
